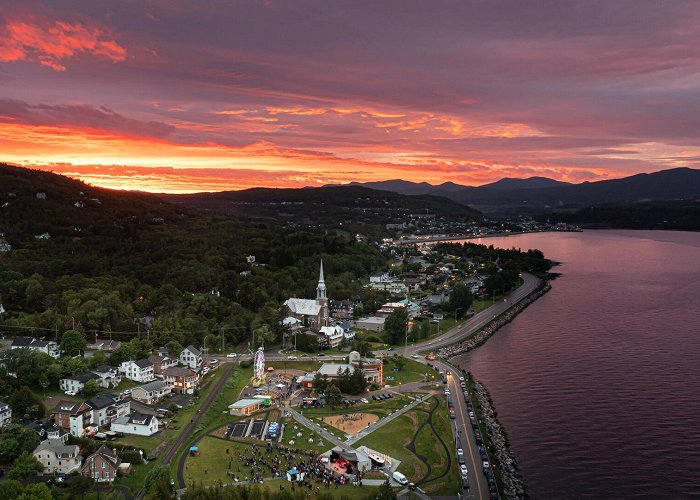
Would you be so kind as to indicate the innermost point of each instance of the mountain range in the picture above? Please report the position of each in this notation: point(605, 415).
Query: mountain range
point(537, 195)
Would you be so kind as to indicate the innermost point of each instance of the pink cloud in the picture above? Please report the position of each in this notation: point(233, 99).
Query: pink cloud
point(52, 42)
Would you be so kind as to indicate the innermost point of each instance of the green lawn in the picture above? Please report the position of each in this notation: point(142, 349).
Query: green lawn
point(412, 371)
point(136, 479)
point(288, 433)
point(272, 488)
point(395, 437)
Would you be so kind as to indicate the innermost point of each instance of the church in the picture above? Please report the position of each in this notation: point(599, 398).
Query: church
point(312, 313)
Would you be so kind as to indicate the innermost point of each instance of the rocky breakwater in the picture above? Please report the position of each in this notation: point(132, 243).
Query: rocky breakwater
point(513, 487)
point(477, 339)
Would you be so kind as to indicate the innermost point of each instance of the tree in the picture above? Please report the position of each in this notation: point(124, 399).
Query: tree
point(98, 358)
point(174, 348)
point(10, 488)
point(320, 383)
point(25, 466)
point(73, 343)
point(399, 361)
point(157, 483)
point(395, 325)
point(15, 440)
point(385, 492)
point(333, 395)
point(362, 347)
point(460, 300)
point(90, 388)
point(24, 402)
point(37, 491)
point(358, 383)
point(80, 485)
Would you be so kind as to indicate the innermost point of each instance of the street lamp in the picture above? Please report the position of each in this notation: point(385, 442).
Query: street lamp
point(458, 309)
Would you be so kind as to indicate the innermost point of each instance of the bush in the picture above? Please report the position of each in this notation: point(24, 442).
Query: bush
point(246, 363)
point(374, 338)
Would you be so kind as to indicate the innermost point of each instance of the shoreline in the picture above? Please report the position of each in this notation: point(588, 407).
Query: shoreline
point(512, 485)
point(485, 333)
point(438, 239)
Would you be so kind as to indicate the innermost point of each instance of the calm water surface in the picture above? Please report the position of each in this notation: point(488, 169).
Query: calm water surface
point(598, 382)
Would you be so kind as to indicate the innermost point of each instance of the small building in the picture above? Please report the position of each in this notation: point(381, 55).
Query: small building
point(46, 429)
point(371, 323)
point(245, 407)
point(342, 309)
point(107, 407)
point(73, 417)
point(5, 414)
point(106, 345)
point(58, 457)
point(102, 466)
point(181, 380)
point(151, 392)
point(139, 371)
point(334, 335)
point(191, 357)
point(136, 423)
point(76, 383)
point(351, 462)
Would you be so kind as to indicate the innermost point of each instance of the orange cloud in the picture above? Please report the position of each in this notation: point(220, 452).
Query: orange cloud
point(52, 42)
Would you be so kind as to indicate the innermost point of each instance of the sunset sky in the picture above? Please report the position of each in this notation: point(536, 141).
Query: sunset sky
point(185, 96)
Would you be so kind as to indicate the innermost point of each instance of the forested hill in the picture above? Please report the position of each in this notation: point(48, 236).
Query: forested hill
point(351, 207)
point(103, 258)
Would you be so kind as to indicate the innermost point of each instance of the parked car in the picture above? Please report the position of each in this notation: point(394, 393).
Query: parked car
point(292, 357)
point(463, 470)
point(364, 400)
point(460, 452)
point(231, 355)
point(70, 393)
point(414, 356)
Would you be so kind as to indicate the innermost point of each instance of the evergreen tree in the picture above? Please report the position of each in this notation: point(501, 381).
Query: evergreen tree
point(395, 325)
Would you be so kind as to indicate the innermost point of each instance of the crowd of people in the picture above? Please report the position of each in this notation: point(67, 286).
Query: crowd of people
point(274, 461)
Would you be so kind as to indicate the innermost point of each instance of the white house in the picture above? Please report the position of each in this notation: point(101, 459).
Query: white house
point(109, 376)
point(46, 346)
point(57, 457)
point(5, 414)
point(333, 334)
point(151, 392)
point(139, 371)
point(107, 407)
point(191, 357)
point(136, 423)
point(77, 382)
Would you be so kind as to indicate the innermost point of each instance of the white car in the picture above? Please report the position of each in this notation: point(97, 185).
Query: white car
point(447, 392)
point(364, 400)
point(414, 356)
point(486, 465)
point(205, 370)
point(463, 470)
point(292, 357)
point(70, 393)
point(231, 355)
point(460, 453)
point(461, 379)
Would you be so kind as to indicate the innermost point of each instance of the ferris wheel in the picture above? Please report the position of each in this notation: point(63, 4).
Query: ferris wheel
point(259, 366)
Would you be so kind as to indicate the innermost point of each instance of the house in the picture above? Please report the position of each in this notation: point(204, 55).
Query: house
point(107, 407)
point(342, 309)
point(245, 407)
point(181, 380)
point(102, 466)
point(161, 362)
point(109, 376)
point(76, 383)
point(46, 429)
point(393, 287)
point(139, 371)
point(151, 392)
point(73, 417)
point(106, 345)
point(372, 369)
point(58, 457)
point(348, 331)
point(46, 346)
point(136, 423)
point(191, 357)
point(334, 335)
point(5, 414)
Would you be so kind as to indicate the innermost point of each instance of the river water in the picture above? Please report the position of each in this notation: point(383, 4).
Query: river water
point(598, 382)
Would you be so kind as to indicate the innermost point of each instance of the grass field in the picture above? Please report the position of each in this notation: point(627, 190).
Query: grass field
point(274, 487)
point(412, 371)
point(288, 433)
point(395, 438)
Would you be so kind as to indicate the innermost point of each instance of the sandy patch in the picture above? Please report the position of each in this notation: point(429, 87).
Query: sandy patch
point(351, 423)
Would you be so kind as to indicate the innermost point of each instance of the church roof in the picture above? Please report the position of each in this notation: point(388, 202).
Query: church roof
point(306, 307)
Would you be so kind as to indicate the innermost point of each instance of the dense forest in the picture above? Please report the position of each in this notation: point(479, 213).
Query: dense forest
point(678, 216)
point(105, 261)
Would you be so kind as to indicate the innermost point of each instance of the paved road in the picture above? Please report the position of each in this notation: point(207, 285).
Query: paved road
point(381, 422)
point(530, 284)
point(190, 427)
point(462, 431)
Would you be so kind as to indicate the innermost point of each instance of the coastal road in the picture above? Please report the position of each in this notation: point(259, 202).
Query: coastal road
point(462, 430)
point(530, 284)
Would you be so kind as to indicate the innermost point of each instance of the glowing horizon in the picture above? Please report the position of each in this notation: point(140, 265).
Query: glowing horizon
point(164, 99)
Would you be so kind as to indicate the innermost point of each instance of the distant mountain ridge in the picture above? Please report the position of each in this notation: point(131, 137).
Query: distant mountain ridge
point(541, 194)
